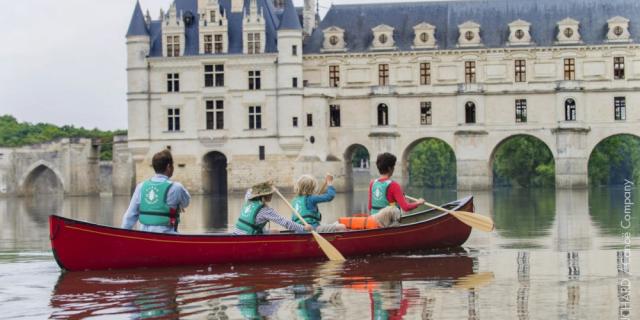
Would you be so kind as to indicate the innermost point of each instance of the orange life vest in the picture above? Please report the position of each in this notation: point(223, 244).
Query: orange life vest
point(359, 223)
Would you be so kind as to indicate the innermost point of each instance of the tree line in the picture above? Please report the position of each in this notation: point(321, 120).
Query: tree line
point(16, 134)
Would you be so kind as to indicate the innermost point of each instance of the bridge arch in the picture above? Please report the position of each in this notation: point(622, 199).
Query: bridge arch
point(500, 143)
point(37, 175)
point(364, 165)
point(214, 173)
point(621, 175)
point(405, 160)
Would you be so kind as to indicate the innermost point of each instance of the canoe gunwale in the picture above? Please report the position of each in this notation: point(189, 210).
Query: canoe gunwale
point(456, 205)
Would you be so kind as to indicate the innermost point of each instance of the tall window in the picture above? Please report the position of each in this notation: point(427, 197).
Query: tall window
point(618, 68)
point(521, 110)
point(255, 117)
point(521, 70)
point(383, 115)
point(425, 113)
point(217, 43)
point(294, 50)
point(334, 76)
point(253, 42)
point(261, 155)
point(569, 69)
point(620, 108)
point(254, 80)
point(469, 72)
point(208, 44)
point(295, 122)
point(294, 82)
point(383, 74)
point(470, 112)
point(215, 114)
point(173, 119)
point(214, 75)
point(570, 110)
point(173, 82)
point(173, 46)
point(425, 73)
point(309, 119)
point(334, 115)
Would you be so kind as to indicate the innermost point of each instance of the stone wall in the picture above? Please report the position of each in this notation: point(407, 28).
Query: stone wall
point(105, 178)
point(123, 170)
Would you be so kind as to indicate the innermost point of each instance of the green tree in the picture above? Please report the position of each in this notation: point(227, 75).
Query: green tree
point(15, 134)
point(615, 159)
point(432, 164)
point(524, 161)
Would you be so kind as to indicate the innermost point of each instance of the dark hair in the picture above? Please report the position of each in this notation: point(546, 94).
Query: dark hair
point(385, 162)
point(161, 161)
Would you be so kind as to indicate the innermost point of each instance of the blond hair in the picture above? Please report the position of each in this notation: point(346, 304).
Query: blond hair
point(305, 185)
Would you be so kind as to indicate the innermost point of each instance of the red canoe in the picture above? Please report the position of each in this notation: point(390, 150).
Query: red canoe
point(79, 245)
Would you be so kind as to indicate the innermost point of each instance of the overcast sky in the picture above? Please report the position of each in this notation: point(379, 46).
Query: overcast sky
point(63, 62)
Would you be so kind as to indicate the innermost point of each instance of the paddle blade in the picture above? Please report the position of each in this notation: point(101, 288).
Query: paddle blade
point(474, 220)
point(332, 253)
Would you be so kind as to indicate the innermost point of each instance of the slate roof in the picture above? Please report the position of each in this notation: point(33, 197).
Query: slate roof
point(289, 18)
point(234, 27)
point(493, 16)
point(137, 26)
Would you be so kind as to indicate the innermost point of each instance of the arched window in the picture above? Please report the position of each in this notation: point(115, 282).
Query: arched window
point(383, 115)
point(470, 112)
point(570, 110)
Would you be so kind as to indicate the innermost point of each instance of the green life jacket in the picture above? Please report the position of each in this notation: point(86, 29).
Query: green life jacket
point(379, 195)
point(154, 210)
point(311, 217)
point(247, 220)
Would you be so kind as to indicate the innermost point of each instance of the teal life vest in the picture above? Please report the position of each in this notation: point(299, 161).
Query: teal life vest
point(247, 220)
point(154, 210)
point(310, 216)
point(379, 195)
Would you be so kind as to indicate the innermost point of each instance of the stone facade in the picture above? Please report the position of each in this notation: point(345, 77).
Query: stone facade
point(296, 91)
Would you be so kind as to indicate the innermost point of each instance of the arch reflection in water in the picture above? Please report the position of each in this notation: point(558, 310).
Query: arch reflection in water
point(248, 291)
point(524, 213)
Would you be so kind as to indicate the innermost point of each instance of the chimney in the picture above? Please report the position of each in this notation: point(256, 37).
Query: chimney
point(309, 16)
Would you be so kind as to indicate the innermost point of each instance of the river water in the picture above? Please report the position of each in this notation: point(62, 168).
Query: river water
point(568, 254)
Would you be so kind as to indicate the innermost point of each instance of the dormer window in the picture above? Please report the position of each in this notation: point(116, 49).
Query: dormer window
point(213, 28)
point(618, 30)
point(519, 33)
point(469, 35)
point(424, 36)
point(333, 39)
point(568, 32)
point(173, 33)
point(253, 29)
point(382, 37)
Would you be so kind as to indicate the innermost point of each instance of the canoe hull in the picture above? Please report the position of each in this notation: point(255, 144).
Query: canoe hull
point(80, 245)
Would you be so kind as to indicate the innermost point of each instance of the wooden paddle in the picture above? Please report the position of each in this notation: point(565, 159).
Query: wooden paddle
point(473, 220)
point(329, 250)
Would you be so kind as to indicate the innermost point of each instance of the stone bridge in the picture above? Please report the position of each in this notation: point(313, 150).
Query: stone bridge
point(70, 166)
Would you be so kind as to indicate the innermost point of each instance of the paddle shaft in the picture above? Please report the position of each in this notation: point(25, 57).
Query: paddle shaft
point(430, 205)
point(290, 206)
point(473, 220)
